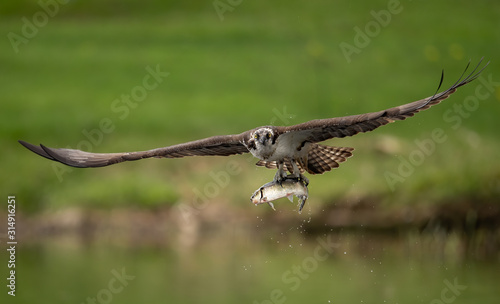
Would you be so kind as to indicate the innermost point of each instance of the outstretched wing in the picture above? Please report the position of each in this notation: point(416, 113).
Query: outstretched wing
point(216, 145)
point(323, 129)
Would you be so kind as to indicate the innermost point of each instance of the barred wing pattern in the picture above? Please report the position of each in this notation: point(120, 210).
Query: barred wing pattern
point(320, 159)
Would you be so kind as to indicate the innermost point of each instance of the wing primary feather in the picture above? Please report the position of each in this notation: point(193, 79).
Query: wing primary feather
point(36, 149)
point(460, 82)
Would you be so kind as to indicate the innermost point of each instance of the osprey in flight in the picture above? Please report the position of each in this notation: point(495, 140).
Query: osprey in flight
point(294, 148)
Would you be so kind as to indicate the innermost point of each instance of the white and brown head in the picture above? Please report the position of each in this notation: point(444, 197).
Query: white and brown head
point(262, 142)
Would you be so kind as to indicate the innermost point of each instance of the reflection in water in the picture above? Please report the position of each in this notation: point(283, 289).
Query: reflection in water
point(265, 266)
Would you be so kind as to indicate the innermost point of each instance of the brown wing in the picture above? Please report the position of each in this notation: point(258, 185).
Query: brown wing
point(323, 129)
point(216, 145)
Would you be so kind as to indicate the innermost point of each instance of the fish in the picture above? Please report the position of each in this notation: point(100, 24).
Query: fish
point(275, 190)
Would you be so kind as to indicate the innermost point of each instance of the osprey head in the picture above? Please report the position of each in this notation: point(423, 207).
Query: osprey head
point(263, 136)
point(261, 142)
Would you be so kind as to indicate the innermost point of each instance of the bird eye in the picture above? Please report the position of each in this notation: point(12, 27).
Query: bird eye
point(268, 135)
point(256, 136)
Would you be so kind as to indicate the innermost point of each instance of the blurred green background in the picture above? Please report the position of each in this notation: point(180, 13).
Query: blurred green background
point(235, 65)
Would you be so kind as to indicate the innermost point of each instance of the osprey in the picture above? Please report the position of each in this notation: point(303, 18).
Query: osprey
point(294, 148)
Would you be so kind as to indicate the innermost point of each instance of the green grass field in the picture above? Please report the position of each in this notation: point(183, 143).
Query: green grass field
point(264, 63)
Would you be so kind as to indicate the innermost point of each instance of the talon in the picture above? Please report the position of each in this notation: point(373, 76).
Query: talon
point(279, 180)
point(280, 176)
point(304, 180)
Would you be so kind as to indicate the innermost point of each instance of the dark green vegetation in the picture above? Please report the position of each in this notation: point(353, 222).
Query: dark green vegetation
point(260, 61)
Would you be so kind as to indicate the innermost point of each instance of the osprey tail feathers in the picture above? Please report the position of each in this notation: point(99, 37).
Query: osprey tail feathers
point(320, 159)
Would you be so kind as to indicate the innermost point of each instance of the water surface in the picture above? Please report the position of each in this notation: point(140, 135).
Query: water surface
point(265, 267)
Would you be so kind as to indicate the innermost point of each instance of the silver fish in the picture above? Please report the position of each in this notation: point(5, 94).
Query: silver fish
point(274, 190)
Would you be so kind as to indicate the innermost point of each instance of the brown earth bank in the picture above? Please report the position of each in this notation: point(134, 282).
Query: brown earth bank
point(462, 216)
point(142, 226)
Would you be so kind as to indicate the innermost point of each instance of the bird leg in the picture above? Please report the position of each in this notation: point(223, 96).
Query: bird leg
point(300, 176)
point(296, 173)
point(280, 174)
